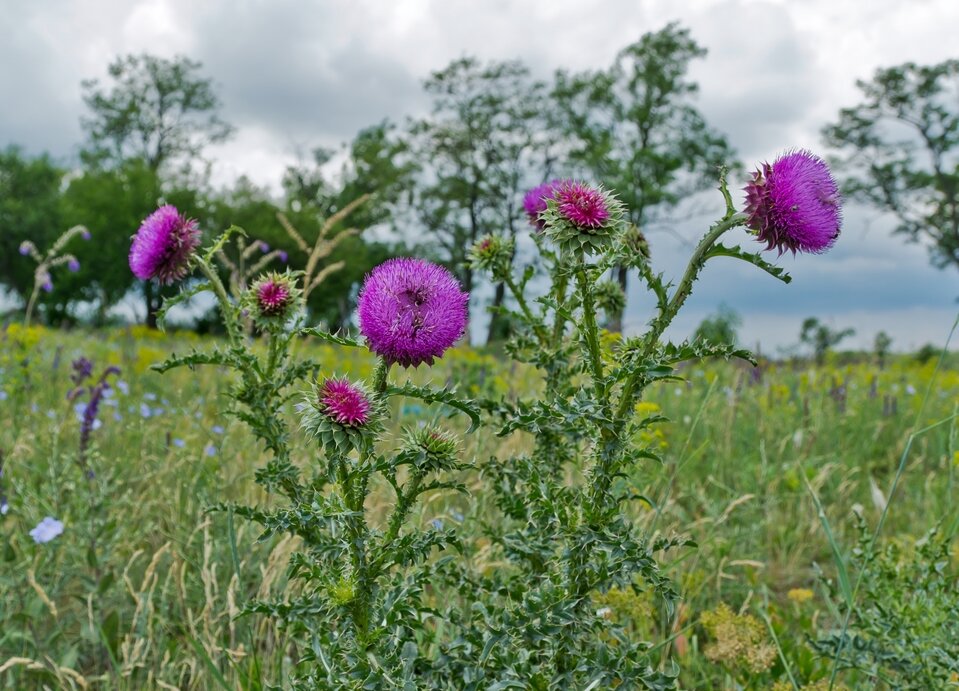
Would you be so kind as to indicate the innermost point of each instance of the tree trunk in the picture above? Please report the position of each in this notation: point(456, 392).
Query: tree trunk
point(615, 322)
point(496, 319)
point(151, 297)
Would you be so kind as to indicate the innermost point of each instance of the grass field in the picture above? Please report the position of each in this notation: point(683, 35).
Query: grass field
point(143, 587)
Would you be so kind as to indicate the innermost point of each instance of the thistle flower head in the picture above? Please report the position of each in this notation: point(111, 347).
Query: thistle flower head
point(339, 413)
point(534, 202)
point(794, 204)
point(430, 449)
point(272, 299)
point(492, 253)
point(411, 311)
point(344, 403)
point(581, 217)
point(610, 297)
point(163, 245)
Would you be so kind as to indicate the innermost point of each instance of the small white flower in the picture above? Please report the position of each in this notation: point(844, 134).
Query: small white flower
point(46, 530)
point(910, 389)
point(687, 420)
point(797, 438)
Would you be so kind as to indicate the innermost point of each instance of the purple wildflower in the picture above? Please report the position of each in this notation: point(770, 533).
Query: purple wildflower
point(24, 248)
point(283, 256)
point(534, 202)
point(82, 369)
point(46, 530)
point(264, 247)
point(85, 234)
point(794, 204)
point(163, 245)
point(411, 311)
point(73, 265)
point(343, 402)
point(47, 285)
point(581, 205)
point(272, 296)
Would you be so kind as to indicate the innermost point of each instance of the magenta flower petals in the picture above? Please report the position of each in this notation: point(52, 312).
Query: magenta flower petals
point(581, 205)
point(411, 311)
point(534, 202)
point(273, 297)
point(163, 246)
point(794, 204)
point(344, 403)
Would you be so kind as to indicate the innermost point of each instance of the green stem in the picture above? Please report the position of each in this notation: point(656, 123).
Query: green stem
point(590, 333)
point(524, 306)
point(683, 290)
point(380, 378)
point(226, 307)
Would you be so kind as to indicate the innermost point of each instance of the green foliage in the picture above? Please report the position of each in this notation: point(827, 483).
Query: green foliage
point(30, 209)
point(720, 328)
point(634, 128)
point(901, 145)
point(821, 338)
point(156, 110)
point(904, 625)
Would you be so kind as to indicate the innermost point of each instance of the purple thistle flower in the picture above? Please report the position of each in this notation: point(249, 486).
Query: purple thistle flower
point(794, 204)
point(580, 204)
point(163, 245)
point(344, 403)
point(273, 295)
point(534, 202)
point(73, 265)
point(411, 311)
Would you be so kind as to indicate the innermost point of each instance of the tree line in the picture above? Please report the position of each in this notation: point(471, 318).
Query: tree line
point(438, 183)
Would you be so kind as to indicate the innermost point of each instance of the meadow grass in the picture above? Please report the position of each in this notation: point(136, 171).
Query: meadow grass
point(763, 468)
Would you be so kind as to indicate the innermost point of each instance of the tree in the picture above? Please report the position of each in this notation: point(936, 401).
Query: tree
point(155, 118)
point(821, 338)
point(881, 345)
point(30, 209)
point(634, 129)
point(901, 152)
point(157, 110)
point(720, 328)
point(478, 154)
point(378, 163)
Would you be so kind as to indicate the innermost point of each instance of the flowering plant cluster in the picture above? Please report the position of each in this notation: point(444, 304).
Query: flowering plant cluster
point(381, 602)
point(52, 258)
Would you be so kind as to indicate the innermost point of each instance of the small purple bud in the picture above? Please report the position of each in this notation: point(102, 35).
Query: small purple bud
point(73, 265)
point(24, 249)
point(264, 248)
point(85, 234)
point(47, 285)
point(283, 256)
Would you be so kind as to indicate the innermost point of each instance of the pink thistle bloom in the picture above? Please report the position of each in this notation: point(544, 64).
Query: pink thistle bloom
point(581, 205)
point(534, 202)
point(273, 297)
point(794, 204)
point(163, 246)
point(411, 311)
point(343, 402)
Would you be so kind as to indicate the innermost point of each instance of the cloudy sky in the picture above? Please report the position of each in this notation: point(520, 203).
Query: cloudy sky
point(294, 74)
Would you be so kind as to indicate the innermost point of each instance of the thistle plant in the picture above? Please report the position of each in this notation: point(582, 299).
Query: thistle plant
point(46, 262)
point(568, 541)
point(359, 597)
point(379, 602)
